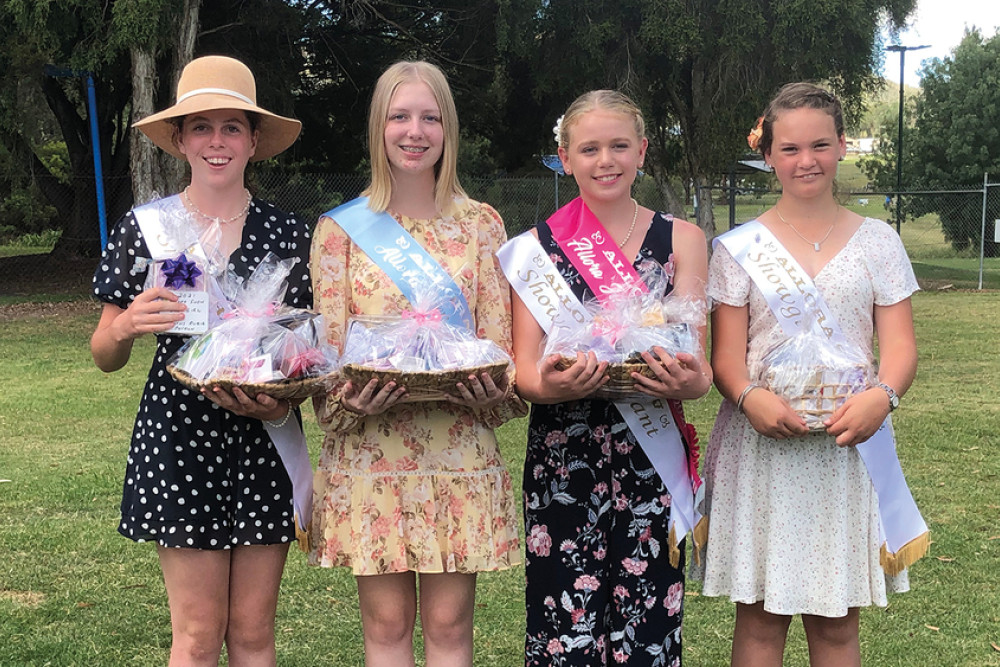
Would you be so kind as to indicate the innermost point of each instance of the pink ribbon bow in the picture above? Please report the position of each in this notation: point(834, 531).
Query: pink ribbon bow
point(432, 317)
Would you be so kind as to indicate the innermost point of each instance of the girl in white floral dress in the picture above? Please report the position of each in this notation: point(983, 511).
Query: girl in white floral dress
point(794, 523)
point(415, 490)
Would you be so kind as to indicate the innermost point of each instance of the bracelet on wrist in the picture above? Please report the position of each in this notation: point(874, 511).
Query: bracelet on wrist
point(743, 395)
point(278, 423)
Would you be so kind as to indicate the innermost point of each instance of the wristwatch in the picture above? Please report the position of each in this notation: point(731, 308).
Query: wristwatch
point(893, 396)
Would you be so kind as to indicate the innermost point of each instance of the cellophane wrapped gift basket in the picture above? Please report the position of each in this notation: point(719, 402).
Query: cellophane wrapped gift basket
point(261, 345)
point(814, 374)
point(626, 324)
point(420, 350)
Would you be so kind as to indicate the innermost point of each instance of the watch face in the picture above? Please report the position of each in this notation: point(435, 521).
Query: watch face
point(894, 401)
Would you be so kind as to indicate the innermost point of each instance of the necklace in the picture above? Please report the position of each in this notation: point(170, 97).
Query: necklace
point(211, 218)
point(631, 228)
point(815, 244)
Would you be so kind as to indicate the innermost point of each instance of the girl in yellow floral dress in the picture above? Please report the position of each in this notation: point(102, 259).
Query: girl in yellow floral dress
point(406, 490)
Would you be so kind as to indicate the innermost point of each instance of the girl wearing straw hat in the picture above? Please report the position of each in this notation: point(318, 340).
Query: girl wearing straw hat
point(204, 480)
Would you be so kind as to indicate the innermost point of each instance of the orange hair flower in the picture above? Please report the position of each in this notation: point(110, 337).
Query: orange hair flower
point(753, 139)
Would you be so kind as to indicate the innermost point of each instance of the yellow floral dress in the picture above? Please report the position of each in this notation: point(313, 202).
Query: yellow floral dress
point(421, 487)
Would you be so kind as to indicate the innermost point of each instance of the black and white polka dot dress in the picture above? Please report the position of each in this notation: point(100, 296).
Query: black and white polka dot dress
point(200, 476)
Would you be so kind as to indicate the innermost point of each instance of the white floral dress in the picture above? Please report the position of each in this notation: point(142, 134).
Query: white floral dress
point(794, 523)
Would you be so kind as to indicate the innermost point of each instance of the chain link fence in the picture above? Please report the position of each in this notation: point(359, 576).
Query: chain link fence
point(943, 231)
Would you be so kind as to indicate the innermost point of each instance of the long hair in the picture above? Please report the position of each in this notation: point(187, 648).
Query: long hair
point(446, 185)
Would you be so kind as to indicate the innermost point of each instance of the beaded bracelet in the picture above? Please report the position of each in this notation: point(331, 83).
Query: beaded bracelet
point(746, 390)
point(284, 420)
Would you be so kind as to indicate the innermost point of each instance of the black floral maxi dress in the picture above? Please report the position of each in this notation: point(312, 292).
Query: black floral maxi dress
point(600, 587)
point(200, 476)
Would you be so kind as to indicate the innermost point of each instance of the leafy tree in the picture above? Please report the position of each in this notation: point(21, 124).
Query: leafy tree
point(73, 35)
point(956, 137)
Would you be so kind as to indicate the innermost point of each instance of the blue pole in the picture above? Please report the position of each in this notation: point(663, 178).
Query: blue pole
point(95, 140)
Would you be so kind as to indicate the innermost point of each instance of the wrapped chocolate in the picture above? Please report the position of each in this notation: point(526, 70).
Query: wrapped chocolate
point(260, 345)
point(186, 260)
point(419, 350)
point(814, 374)
point(627, 323)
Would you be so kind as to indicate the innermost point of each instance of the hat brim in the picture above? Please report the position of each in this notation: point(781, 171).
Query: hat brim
point(274, 134)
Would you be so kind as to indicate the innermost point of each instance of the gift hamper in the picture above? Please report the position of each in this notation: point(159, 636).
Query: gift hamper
point(814, 374)
point(261, 345)
point(420, 350)
point(627, 323)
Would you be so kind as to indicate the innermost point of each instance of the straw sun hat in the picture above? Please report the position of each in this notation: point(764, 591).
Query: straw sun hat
point(218, 82)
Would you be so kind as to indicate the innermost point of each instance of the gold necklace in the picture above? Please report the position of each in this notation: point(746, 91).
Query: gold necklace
point(635, 216)
point(186, 198)
point(815, 244)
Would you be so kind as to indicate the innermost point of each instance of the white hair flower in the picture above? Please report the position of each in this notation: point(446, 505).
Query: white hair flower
point(557, 128)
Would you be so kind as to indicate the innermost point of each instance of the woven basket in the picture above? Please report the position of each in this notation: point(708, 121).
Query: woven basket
point(620, 382)
point(819, 394)
point(296, 388)
point(423, 385)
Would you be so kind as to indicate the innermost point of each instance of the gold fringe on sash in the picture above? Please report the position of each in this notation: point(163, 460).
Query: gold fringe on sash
point(672, 550)
point(302, 536)
point(699, 535)
point(908, 554)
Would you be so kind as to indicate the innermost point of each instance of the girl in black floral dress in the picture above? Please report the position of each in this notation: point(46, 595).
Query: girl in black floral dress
point(600, 587)
point(203, 478)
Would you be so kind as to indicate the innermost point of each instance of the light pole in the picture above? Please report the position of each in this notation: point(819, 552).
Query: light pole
point(899, 139)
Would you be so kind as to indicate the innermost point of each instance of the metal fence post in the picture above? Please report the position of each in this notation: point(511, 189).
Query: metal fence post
point(982, 231)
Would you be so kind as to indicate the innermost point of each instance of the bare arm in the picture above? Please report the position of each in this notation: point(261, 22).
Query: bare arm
point(768, 413)
point(154, 311)
point(861, 415)
point(686, 376)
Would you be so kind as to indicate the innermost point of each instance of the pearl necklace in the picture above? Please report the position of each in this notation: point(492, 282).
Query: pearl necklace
point(186, 198)
point(815, 244)
point(631, 228)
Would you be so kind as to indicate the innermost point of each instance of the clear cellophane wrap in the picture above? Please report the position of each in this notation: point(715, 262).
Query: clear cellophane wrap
point(626, 324)
point(261, 345)
point(420, 350)
point(813, 374)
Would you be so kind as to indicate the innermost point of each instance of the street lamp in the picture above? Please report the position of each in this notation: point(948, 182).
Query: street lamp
point(899, 140)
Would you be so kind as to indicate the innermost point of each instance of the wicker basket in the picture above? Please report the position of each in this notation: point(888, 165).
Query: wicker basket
point(423, 385)
point(816, 395)
point(294, 388)
point(620, 382)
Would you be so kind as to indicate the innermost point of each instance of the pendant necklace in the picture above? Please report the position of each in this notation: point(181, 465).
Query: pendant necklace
point(815, 244)
point(211, 218)
point(635, 216)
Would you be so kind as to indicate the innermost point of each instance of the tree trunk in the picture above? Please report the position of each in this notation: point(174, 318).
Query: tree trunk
point(150, 172)
point(154, 172)
point(675, 203)
point(705, 213)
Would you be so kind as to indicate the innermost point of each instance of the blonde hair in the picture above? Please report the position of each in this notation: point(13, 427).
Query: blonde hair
point(609, 100)
point(446, 185)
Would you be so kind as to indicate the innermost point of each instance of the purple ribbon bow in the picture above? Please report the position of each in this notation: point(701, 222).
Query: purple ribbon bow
point(179, 272)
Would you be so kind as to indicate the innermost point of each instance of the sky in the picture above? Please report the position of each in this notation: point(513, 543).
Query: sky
point(940, 24)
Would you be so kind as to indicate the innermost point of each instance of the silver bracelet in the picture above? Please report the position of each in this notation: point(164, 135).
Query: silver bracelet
point(283, 420)
point(746, 390)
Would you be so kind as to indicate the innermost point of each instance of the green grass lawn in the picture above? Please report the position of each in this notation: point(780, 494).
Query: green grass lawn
point(73, 592)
